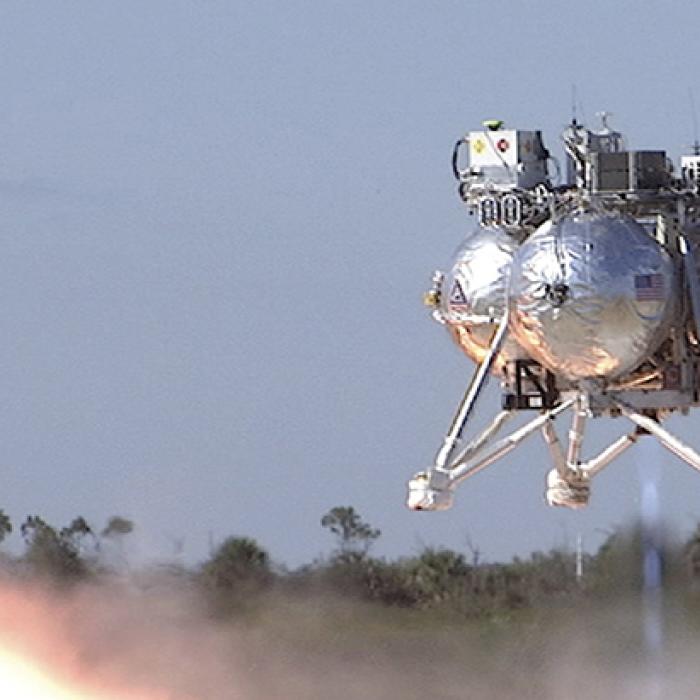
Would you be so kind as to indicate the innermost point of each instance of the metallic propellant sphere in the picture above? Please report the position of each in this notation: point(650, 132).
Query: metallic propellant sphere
point(591, 295)
point(474, 294)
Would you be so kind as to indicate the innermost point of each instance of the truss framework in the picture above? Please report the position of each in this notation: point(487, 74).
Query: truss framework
point(568, 482)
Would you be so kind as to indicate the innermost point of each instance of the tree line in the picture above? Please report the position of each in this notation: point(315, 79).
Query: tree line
point(239, 573)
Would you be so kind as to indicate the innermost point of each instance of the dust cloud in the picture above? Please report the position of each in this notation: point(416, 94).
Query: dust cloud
point(154, 639)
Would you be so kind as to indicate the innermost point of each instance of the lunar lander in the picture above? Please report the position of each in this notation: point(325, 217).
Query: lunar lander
point(582, 297)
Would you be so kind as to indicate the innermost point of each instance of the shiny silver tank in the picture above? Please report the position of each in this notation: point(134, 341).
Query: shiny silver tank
point(474, 293)
point(592, 295)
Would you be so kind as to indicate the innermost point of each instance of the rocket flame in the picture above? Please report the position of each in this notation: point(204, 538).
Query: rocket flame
point(20, 679)
point(40, 661)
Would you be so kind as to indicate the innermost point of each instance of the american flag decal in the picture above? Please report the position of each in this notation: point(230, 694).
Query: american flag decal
point(649, 287)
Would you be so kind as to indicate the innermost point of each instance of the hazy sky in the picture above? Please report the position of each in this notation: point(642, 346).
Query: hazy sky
point(218, 218)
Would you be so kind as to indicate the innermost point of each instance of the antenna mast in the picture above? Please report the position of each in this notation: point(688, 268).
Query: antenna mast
point(694, 115)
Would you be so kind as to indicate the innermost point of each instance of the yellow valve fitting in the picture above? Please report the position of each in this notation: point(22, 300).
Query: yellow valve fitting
point(432, 298)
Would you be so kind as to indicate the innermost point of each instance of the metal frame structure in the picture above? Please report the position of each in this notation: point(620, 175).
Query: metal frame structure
point(568, 483)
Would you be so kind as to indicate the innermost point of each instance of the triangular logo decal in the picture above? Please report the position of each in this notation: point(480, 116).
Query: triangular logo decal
point(457, 294)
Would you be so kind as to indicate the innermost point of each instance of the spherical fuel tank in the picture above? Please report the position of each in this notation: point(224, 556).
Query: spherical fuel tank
point(474, 295)
point(592, 295)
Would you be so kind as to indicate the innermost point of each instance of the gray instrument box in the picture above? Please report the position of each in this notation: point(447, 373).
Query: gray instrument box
point(629, 171)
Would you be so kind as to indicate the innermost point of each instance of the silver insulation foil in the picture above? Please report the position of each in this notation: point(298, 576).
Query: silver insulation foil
point(592, 295)
point(474, 293)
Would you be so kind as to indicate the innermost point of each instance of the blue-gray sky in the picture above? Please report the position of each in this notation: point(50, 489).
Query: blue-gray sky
point(217, 221)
